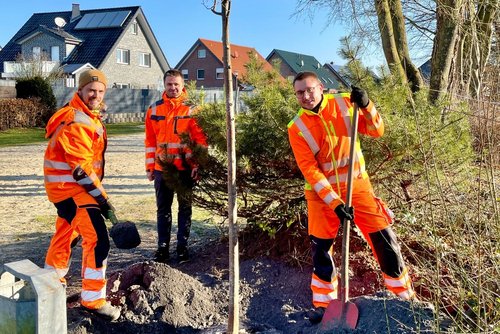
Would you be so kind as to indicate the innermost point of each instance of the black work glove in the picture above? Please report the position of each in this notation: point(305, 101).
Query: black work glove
point(106, 207)
point(344, 212)
point(359, 96)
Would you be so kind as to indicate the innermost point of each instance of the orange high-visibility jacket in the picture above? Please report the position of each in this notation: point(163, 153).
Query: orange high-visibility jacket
point(321, 144)
point(166, 120)
point(74, 158)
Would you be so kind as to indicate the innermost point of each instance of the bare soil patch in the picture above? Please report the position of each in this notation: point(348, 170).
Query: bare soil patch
point(180, 298)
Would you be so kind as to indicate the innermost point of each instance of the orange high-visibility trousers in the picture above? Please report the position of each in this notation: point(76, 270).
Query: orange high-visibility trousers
point(81, 216)
point(373, 219)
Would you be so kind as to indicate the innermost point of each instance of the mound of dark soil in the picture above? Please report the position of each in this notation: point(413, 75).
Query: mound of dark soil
point(158, 298)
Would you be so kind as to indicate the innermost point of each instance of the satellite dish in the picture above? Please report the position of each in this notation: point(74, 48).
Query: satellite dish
point(60, 22)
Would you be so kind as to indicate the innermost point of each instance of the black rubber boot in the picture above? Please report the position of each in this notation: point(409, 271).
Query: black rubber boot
point(316, 315)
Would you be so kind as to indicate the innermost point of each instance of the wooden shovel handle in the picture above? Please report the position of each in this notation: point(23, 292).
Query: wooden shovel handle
point(344, 292)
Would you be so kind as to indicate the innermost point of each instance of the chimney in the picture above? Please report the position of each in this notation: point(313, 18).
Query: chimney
point(75, 11)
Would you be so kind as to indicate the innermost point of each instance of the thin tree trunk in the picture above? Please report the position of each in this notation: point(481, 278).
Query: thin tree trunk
point(398, 26)
point(443, 49)
point(388, 41)
point(233, 320)
point(487, 11)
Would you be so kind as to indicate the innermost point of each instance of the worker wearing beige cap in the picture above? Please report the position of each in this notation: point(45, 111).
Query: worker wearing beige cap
point(73, 171)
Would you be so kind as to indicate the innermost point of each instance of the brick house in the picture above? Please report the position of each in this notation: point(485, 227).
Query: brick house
point(203, 63)
point(117, 41)
point(291, 63)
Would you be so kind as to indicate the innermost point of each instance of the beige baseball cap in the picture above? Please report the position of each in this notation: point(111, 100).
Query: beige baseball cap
point(90, 76)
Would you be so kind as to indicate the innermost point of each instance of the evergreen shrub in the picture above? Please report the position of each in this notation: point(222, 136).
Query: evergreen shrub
point(37, 87)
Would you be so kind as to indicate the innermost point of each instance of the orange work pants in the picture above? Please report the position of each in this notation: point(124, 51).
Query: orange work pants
point(373, 219)
point(81, 216)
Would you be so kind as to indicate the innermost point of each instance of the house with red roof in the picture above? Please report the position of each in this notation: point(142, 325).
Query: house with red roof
point(204, 64)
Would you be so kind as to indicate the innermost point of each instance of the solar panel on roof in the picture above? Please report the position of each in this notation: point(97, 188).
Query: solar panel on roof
point(120, 17)
point(103, 20)
point(96, 20)
point(107, 20)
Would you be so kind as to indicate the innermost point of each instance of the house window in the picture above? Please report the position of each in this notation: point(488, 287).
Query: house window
point(122, 56)
point(37, 51)
point(185, 74)
point(54, 53)
point(219, 73)
point(200, 74)
point(134, 28)
point(202, 53)
point(145, 59)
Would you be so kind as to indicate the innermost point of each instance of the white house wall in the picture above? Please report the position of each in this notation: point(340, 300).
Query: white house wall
point(133, 74)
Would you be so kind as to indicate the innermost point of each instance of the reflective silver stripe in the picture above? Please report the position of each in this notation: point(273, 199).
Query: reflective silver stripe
point(59, 178)
point(90, 296)
point(94, 273)
point(150, 161)
point(61, 272)
point(96, 192)
point(330, 198)
point(90, 180)
point(397, 283)
point(342, 177)
point(324, 298)
point(172, 145)
point(321, 184)
point(307, 135)
point(405, 295)
point(373, 112)
point(150, 149)
point(153, 109)
point(85, 181)
point(331, 286)
point(56, 164)
point(97, 164)
point(344, 162)
point(378, 121)
point(83, 118)
point(344, 110)
point(327, 166)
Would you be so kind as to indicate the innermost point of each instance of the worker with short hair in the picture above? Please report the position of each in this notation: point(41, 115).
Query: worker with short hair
point(73, 171)
point(320, 139)
point(169, 123)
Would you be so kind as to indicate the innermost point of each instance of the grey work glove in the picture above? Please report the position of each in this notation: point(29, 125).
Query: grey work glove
point(344, 212)
point(360, 97)
point(107, 209)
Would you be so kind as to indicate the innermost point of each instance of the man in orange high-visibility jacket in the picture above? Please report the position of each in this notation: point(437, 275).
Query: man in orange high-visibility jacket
point(320, 139)
point(167, 122)
point(73, 170)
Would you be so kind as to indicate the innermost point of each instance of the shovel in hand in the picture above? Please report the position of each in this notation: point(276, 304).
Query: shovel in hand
point(342, 313)
point(124, 234)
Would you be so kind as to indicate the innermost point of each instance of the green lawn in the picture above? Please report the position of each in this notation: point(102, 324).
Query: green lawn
point(36, 135)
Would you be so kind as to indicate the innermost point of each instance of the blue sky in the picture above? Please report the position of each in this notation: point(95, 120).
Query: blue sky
point(177, 24)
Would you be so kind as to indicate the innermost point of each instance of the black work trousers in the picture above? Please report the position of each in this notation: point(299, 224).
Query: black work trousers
point(164, 200)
